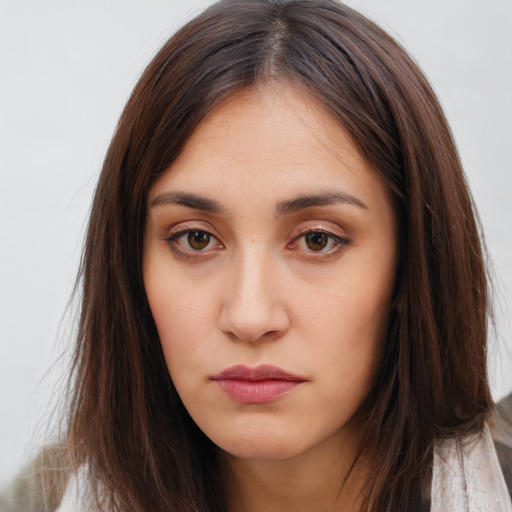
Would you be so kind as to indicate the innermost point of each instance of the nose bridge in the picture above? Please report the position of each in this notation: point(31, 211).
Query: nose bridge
point(253, 277)
point(251, 309)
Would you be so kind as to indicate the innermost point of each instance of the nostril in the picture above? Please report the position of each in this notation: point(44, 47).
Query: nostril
point(254, 338)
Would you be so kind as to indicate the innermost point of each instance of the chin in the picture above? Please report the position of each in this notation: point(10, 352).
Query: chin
point(261, 451)
point(261, 445)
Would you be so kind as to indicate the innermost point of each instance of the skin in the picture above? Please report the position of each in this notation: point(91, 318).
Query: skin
point(257, 290)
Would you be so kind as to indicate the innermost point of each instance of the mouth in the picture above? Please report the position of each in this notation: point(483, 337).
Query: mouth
point(259, 385)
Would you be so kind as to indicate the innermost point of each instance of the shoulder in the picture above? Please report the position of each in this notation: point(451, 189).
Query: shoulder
point(501, 427)
point(75, 496)
point(467, 472)
point(504, 453)
point(39, 486)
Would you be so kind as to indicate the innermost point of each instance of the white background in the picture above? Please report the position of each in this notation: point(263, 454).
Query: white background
point(66, 70)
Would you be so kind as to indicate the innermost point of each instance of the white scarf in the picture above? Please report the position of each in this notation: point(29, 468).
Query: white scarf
point(467, 476)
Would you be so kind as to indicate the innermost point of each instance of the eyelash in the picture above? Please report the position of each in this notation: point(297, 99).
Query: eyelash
point(339, 243)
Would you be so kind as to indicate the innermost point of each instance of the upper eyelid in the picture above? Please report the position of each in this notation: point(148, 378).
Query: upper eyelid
point(182, 232)
point(336, 233)
point(184, 227)
point(339, 238)
point(319, 229)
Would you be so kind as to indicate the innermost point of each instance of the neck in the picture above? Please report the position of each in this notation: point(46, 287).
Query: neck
point(323, 478)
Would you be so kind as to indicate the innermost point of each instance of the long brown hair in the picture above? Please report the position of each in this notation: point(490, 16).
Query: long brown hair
point(126, 423)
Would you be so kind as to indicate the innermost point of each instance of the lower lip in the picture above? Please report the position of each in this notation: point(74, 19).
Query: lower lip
point(256, 392)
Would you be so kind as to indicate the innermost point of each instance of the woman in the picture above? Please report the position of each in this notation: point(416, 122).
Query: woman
point(284, 297)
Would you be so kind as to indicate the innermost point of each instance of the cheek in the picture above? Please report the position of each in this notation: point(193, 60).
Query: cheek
point(184, 318)
point(172, 314)
point(348, 329)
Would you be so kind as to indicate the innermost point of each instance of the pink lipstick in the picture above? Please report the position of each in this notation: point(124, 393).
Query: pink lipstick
point(258, 385)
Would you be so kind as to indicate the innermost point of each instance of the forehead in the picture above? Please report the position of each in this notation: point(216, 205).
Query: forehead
point(273, 141)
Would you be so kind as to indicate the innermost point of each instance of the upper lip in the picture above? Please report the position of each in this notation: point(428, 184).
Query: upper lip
point(258, 373)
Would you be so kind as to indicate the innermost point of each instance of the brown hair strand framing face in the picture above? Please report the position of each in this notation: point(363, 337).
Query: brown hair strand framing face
point(126, 423)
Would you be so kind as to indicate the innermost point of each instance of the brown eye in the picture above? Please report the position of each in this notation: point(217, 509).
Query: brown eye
point(316, 241)
point(198, 240)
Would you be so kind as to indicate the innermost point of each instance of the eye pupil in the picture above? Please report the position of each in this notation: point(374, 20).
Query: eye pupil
point(316, 241)
point(198, 239)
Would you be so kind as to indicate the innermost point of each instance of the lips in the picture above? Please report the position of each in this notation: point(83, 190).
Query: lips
point(258, 385)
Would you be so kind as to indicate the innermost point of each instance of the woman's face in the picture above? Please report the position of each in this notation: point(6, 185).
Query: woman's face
point(269, 264)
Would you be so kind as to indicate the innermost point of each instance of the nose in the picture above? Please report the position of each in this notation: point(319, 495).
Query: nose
point(253, 307)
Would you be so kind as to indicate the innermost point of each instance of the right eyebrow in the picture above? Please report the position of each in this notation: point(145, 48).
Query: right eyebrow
point(189, 200)
point(318, 199)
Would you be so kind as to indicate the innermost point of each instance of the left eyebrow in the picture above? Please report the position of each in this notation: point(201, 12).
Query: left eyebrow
point(189, 200)
point(321, 199)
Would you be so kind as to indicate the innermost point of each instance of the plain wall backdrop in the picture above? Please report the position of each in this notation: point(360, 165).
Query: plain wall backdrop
point(66, 70)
